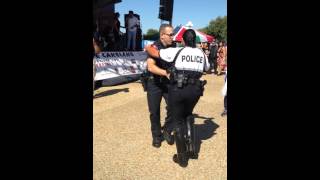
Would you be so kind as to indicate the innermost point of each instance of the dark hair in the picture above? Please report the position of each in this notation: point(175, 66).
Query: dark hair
point(223, 42)
point(163, 26)
point(189, 37)
point(130, 12)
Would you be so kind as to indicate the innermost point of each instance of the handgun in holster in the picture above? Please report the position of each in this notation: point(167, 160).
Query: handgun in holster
point(180, 79)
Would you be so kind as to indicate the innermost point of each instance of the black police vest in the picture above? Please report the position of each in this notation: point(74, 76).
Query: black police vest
point(159, 62)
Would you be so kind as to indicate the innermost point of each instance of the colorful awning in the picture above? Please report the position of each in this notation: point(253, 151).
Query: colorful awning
point(201, 37)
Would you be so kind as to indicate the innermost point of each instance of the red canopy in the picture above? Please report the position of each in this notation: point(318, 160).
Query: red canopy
point(201, 37)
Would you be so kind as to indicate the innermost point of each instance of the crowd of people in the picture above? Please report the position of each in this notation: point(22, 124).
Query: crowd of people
point(108, 38)
point(111, 38)
point(217, 54)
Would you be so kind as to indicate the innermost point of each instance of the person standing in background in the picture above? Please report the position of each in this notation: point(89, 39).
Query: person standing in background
point(221, 57)
point(224, 93)
point(133, 24)
point(116, 30)
point(213, 57)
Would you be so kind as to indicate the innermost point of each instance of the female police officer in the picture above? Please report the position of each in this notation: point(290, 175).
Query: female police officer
point(185, 86)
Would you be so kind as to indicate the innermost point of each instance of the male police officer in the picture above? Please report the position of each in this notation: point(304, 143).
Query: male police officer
point(157, 87)
point(185, 87)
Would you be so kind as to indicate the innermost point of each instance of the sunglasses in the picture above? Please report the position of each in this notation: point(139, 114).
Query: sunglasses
point(169, 34)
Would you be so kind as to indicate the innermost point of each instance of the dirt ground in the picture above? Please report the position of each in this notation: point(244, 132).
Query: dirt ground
point(122, 136)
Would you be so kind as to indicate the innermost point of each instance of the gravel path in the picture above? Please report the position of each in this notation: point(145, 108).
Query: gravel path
point(122, 137)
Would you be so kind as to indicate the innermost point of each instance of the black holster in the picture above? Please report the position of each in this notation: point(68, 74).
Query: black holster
point(144, 80)
point(179, 78)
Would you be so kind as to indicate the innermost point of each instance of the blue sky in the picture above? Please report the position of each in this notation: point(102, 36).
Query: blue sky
point(199, 12)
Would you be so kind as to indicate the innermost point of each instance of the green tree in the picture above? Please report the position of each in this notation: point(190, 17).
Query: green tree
point(217, 28)
point(152, 34)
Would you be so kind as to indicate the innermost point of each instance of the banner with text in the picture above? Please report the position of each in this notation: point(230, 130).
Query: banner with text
point(121, 66)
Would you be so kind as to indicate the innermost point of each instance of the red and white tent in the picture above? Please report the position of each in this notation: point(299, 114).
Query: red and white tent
point(201, 37)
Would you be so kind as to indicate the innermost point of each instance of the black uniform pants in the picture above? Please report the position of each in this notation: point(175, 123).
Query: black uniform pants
point(155, 92)
point(181, 102)
point(215, 64)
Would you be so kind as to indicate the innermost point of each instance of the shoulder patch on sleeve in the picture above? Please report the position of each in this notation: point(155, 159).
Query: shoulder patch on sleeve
point(154, 46)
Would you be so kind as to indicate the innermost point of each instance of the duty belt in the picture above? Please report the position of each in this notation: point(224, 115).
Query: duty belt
point(192, 81)
point(180, 80)
point(158, 79)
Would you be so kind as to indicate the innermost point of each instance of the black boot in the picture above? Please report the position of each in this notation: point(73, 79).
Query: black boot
point(156, 142)
point(168, 137)
point(181, 157)
point(191, 138)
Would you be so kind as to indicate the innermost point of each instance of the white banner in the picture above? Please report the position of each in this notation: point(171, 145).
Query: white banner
point(121, 66)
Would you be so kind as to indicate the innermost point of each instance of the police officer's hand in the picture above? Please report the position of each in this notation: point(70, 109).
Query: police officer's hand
point(168, 76)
